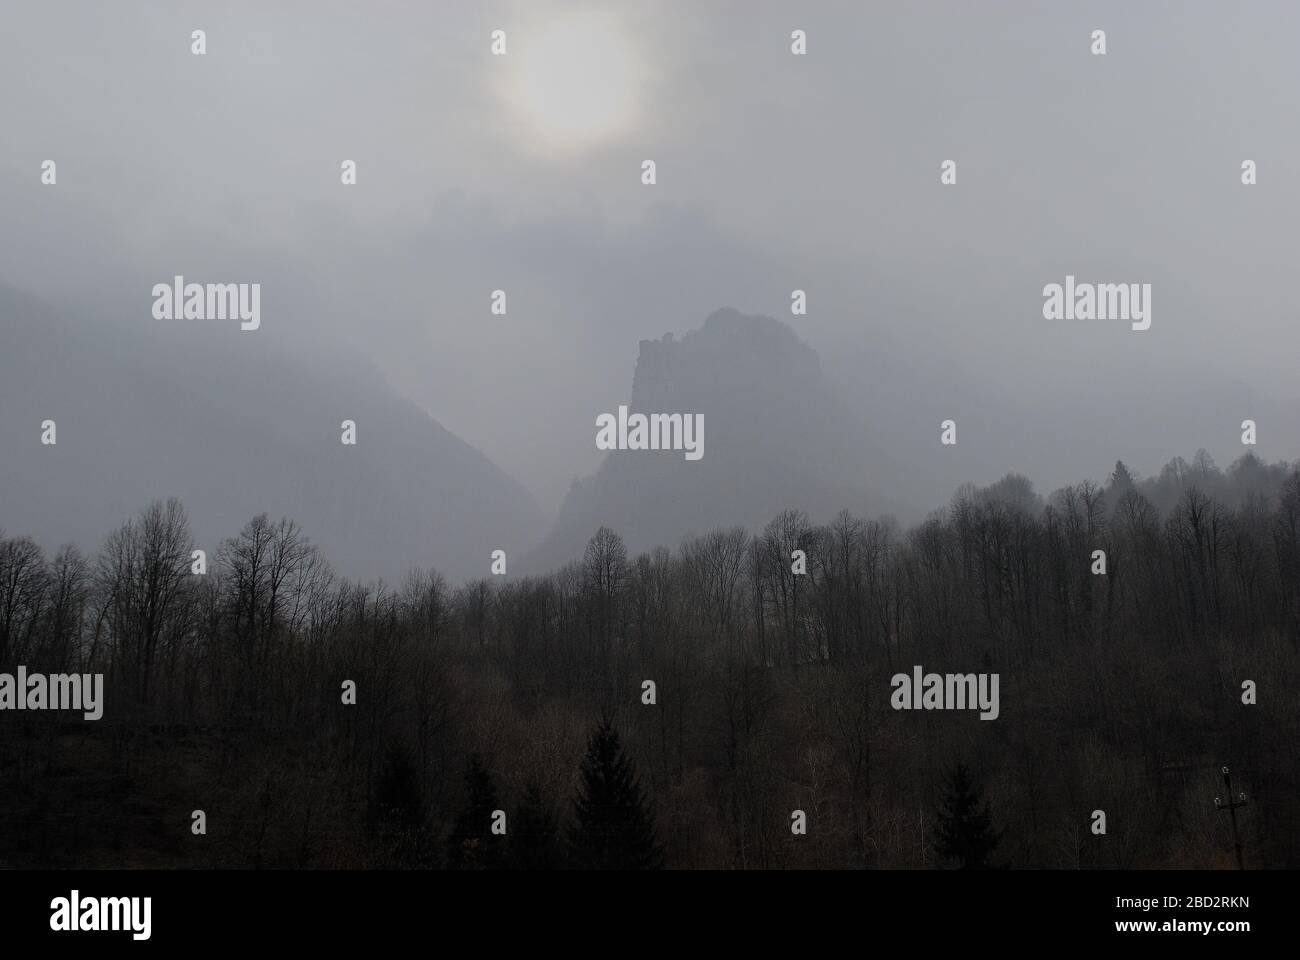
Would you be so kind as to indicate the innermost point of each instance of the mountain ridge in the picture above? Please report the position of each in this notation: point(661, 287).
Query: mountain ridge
point(777, 435)
point(236, 425)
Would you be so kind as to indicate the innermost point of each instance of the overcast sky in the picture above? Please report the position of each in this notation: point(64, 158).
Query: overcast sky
point(774, 172)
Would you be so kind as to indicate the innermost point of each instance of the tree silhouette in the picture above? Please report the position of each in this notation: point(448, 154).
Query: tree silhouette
point(604, 571)
point(964, 833)
point(398, 814)
point(535, 833)
point(614, 829)
point(1121, 480)
point(471, 845)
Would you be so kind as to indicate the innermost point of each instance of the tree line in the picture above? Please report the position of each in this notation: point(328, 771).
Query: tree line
point(713, 689)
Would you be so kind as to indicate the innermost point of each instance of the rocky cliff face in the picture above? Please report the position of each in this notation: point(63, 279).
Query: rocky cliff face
point(775, 436)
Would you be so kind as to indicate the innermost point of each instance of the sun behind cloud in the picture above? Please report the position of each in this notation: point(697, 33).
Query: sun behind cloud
point(575, 81)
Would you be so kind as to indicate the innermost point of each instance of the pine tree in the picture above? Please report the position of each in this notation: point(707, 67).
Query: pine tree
point(471, 845)
point(1121, 481)
point(398, 816)
point(964, 833)
point(615, 828)
point(535, 833)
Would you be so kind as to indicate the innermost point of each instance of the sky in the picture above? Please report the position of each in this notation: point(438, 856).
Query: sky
point(774, 172)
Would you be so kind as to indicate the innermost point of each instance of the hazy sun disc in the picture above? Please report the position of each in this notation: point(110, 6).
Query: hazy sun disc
point(574, 81)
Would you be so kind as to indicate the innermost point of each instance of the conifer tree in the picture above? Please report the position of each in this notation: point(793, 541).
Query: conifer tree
point(964, 833)
point(1121, 481)
point(398, 814)
point(535, 832)
point(471, 845)
point(615, 825)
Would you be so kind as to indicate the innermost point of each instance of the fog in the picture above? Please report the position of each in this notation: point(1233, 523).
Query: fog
point(774, 173)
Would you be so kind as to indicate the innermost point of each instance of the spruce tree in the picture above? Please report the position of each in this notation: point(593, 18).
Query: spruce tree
point(471, 845)
point(1121, 481)
point(398, 815)
point(535, 833)
point(964, 833)
point(615, 825)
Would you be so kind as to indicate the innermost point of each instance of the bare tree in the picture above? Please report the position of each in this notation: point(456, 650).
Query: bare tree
point(143, 573)
point(22, 594)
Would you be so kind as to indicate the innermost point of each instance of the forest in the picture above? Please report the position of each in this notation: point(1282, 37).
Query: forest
point(680, 708)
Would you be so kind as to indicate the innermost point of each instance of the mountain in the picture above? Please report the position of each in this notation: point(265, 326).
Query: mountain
point(236, 424)
point(776, 435)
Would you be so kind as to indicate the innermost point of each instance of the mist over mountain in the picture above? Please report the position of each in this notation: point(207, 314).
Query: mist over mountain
point(776, 436)
point(235, 425)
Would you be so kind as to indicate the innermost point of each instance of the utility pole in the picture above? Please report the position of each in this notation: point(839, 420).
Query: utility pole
point(1231, 806)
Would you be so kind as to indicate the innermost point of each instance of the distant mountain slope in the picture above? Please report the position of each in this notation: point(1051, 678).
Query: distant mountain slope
point(775, 436)
point(234, 426)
